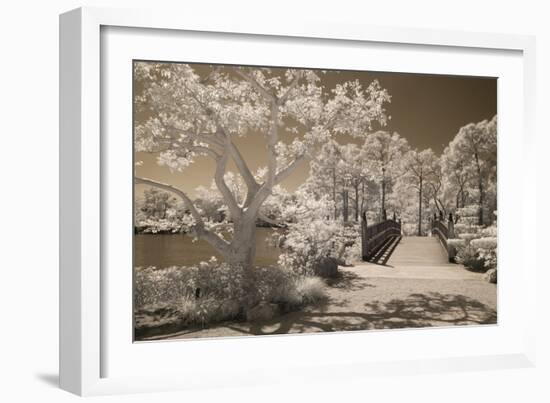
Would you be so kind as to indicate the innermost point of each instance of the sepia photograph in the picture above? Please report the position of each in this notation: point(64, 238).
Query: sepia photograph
point(273, 200)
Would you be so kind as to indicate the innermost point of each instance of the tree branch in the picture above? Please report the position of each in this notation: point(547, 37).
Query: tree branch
point(228, 196)
point(206, 150)
point(271, 144)
point(268, 220)
point(285, 172)
point(292, 85)
point(218, 243)
point(265, 93)
point(188, 202)
point(212, 74)
point(251, 183)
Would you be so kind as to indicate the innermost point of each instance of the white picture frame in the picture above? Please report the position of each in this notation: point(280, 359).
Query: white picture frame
point(84, 341)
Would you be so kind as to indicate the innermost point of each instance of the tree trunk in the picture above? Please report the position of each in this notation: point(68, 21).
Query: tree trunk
point(480, 189)
point(345, 204)
point(242, 249)
point(420, 208)
point(334, 193)
point(356, 202)
point(362, 197)
point(481, 200)
point(383, 194)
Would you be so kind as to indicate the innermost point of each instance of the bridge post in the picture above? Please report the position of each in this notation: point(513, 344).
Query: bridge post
point(364, 243)
point(451, 226)
point(384, 215)
point(451, 250)
point(394, 216)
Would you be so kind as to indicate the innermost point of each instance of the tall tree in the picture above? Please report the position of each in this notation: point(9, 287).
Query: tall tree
point(419, 167)
point(476, 143)
point(384, 151)
point(155, 203)
point(354, 172)
point(435, 187)
point(190, 115)
point(324, 173)
point(457, 173)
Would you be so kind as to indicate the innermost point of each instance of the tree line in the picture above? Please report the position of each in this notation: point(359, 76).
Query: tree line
point(385, 174)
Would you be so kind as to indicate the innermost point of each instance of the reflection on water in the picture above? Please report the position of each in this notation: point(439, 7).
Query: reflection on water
point(179, 249)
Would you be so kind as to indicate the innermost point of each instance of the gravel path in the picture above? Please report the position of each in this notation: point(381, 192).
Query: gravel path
point(413, 290)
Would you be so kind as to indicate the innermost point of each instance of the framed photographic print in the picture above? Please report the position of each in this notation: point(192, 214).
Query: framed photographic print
point(257, 195)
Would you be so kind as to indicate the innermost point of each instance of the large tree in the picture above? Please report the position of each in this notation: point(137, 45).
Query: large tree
point(435, 188)
point(187, 115)
point(324, 175)
point(476, 144)
point(355, 173)
point(457, 173)
point(419, 167)
point(384, 152)
point(155, 203)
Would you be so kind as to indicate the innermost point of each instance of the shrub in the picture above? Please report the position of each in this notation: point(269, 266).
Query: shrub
point(486, 249)
point(154, 286)
point(476, 253)
point(467, 237)
point(456, 242)
point(311, 289)
point(213, 292)
point(271, 284)
point(489, 231)
point(172, 224)
point(353, 253)
point(308, 244)
point(477, 246)
point(467, 256)
point(156, 226)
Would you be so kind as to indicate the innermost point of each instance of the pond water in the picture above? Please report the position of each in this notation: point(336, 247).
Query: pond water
point(164, 250)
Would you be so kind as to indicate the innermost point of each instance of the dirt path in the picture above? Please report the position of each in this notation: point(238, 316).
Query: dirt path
point(418, 288)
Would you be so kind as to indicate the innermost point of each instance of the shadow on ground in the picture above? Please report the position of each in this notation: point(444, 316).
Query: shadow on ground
point(417, 310)
point(348, 281)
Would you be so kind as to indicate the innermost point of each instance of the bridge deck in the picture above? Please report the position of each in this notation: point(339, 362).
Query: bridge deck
point(416, 250)
point(421, 258)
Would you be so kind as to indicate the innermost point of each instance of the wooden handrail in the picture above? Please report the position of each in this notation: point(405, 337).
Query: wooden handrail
point(374, 236)
point(445, 231)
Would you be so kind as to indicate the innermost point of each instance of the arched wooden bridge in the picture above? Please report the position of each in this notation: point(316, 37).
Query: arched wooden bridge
point(383, 244)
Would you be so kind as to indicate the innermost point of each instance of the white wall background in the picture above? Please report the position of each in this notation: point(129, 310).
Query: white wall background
point(29, 201)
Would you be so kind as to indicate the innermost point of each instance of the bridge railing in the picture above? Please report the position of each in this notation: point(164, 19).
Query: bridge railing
point(374, 236)
point(445, 231)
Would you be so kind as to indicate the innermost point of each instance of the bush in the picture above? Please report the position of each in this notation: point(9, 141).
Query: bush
point(172, 224)
point(308, 244)
point(477, 253)
point(213, 292)
point(311, 289)
point(468, 256)
point(220, 281)
point(486, 249)
point(353, 253)
point(477, 246)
